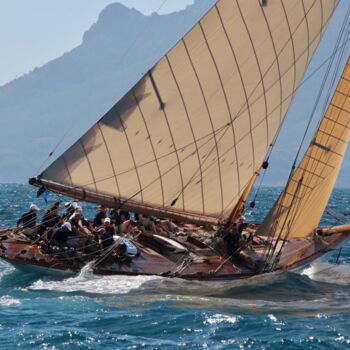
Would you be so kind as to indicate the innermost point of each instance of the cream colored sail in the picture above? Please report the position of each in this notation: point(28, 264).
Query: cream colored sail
point(193, 131)
point(299, 209)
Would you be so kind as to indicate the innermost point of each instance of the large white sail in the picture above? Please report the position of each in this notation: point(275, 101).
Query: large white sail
point(299, 208)
point(194, 130)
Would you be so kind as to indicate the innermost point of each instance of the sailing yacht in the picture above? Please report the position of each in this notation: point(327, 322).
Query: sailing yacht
point(188, 140)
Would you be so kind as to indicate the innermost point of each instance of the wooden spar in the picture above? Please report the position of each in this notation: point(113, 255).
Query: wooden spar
point(238, 209)
point(123, 203)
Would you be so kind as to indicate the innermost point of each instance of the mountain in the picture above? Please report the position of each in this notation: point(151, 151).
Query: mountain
point(37, 109)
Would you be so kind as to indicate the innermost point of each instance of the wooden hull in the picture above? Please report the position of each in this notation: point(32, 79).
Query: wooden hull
point(171, 258)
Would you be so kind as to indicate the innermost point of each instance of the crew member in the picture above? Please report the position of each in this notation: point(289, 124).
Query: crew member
point(61, 234)
point(100, 216)
point(29, 220)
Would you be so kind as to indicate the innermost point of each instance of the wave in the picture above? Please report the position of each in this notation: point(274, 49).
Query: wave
point(89, 283)
point(329, 273)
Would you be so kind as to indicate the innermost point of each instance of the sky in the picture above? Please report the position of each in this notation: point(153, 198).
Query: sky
point(33, 32)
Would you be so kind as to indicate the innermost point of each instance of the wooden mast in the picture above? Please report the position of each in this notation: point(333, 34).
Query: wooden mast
point(238, 209)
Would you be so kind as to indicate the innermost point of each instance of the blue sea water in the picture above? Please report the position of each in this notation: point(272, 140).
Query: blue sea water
point(309, 309)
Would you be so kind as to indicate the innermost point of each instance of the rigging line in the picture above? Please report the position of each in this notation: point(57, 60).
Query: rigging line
point(293, 219)
point(330, 63)
point(308, 182)
point(309, 193)
point(153, 181)
point(307, 78)
point(228, 124)
point(139, 35)
point(299, 85)
point(281, 51)
point(330, 212)
point(334, 76)
point(128, 49)
point(340, 58)
point(242, 108)
point(226, 127)
point(285, 222)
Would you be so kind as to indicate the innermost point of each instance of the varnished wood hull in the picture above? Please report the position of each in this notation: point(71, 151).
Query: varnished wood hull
point(197, 264)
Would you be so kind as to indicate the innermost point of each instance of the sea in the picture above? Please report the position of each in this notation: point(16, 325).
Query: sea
point(307, 309)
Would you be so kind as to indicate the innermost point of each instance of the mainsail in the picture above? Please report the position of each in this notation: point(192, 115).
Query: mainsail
point(188, 138)
point(299, 208)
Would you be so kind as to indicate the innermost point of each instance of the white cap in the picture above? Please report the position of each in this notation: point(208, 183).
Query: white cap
point(242, 218)
point(68, 225)
point(74, 205)
point(34, 207)
point(107, 220)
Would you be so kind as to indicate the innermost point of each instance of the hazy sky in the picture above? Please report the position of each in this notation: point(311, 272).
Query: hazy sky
point(33, 32)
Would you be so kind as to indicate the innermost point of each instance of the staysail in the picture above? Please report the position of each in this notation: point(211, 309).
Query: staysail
point(299, 208)
point(191, 134)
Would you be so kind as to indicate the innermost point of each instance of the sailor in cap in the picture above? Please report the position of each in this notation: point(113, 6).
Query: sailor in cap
point(28, 220)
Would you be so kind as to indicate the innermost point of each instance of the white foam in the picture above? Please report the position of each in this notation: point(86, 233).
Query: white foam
point(220, 318)
point(6, 300)
point(90, 283)
point(330, 273)
point(272, 317)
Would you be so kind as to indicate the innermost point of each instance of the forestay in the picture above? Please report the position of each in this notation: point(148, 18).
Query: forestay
point(194, 130)
point(299, 209)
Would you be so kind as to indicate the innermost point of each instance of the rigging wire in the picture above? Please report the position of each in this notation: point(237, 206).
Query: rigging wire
point(276, 56)
point(226, 126)
point(138, 37)
point(223, 128)
point(326, 100)
point(346, 29)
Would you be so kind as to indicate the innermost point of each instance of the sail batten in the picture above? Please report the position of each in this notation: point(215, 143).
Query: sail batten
point(316, 174)
point(192, 132)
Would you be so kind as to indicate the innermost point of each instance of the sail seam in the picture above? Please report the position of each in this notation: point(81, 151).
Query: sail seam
point(244, 91)
point(330, 151)
point(131, 154)
point(109, 155)
point(308, 33)
point(151, 144)
point(319, 183)
point(311, 172)
point(336, 122)
point(90, 166)
point(279, 72)
point(68, 171)
point(224, 93)
point(261, 77)
point(209, 115)
point(319, 161)
point(191, 128)
point(291, 39)
point(338, 107)
point(332, 136)
point(342, 93)
point(176, 152)
point(302, 184)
